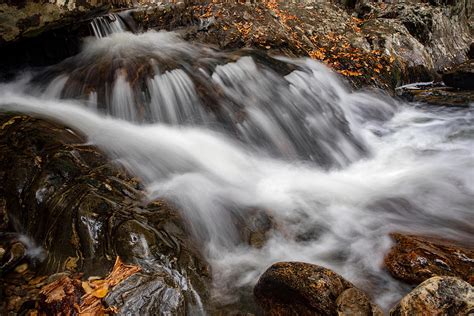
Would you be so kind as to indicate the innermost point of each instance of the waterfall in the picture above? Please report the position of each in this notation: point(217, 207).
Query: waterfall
point(219, 133)
point(106, 25)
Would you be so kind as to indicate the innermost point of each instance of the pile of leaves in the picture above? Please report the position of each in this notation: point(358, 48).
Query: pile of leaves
point(63, 293)
point(71, 295)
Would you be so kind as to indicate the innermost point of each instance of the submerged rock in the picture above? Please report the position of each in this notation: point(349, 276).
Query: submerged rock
point(414, 259)
point(438, 296)
point(297, 288)
point(461, 76)
point(85, 211)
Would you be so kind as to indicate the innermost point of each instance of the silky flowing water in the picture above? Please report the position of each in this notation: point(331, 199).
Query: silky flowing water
point(221, 132)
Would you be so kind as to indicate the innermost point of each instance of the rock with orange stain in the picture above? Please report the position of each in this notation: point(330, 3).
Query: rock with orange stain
point(414, 259)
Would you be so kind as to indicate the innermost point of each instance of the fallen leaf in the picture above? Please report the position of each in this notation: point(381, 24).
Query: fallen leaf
point(101, 292)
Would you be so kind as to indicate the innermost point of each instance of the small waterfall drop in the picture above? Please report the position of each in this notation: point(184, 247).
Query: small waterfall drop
point(106, 25)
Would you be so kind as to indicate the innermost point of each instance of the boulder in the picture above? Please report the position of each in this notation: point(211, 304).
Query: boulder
point(413, 259)
point(297, 288)
point(438, 296)
point(461, 76)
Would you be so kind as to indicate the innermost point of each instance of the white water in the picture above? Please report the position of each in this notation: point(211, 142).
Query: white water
point(386, 166)
point(104, 26)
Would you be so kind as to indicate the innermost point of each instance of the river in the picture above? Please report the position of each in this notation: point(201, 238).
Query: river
point(219, 133)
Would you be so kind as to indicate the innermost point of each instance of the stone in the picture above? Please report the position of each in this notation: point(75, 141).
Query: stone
point(461, 76)
point(355, 302)
point(89, 210)
point(15, 254)
point(436, 94)
point(21, 268)
point(438, 296)
point(470, 52)
point(413, 259)
point(297, 288)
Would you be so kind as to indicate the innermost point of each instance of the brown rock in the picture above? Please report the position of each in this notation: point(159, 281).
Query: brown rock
point(414, 259)
point(297, 288)
point(355, 302)
point(438, 296)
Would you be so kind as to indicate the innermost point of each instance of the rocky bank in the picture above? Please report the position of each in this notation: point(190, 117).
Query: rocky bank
point(372, 44)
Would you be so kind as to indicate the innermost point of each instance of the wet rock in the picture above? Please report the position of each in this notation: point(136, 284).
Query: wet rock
point(159, 294)
point(470, 52)
point(421, 38)
point(296, 288)
point(355, 302)
point(438, 296)
point(255, 226)
point(461, 76)
point(35, 17)
point(85, 211)
point(15, 254)
point(414, 259)
point(436, 94)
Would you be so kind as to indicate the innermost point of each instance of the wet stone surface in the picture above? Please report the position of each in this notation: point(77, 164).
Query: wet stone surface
point(297, 288)
point(414, 259)
point(436, 94)
point(438, 296)
point(84, 211)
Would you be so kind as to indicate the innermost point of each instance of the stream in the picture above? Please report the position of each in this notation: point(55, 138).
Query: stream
point(219, 132)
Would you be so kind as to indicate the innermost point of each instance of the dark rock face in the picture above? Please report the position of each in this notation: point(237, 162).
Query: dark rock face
point(31, 18)
point(461, 76)
point(438, 296)
point(84, 212)
point(470, 53)
point(414, 259)
point(296, 288)
point(436, 94)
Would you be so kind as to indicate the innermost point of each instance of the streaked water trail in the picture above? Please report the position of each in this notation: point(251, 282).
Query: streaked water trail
point(335, 171)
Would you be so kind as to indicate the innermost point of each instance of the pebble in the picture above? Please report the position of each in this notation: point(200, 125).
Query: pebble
point(21, 268)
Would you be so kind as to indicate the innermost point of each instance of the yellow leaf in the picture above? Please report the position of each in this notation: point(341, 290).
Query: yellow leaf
point(87, 288)
point(101, 292)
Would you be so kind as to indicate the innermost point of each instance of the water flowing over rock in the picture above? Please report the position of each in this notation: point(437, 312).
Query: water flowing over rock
point(84, 211)
point(296, 288)
point(250, 159)
point(416, 258)
point(387, 45)
point(438, 296)
point(158, 77)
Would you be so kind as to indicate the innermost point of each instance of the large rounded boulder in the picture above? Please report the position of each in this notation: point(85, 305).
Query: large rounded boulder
point(438, 296)
point(297, 288)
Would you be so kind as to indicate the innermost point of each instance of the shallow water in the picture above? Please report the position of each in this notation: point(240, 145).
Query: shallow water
point(219, 133)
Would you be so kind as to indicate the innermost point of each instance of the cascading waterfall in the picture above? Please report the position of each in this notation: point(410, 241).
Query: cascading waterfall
point(221, 133)
point(106, 25)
